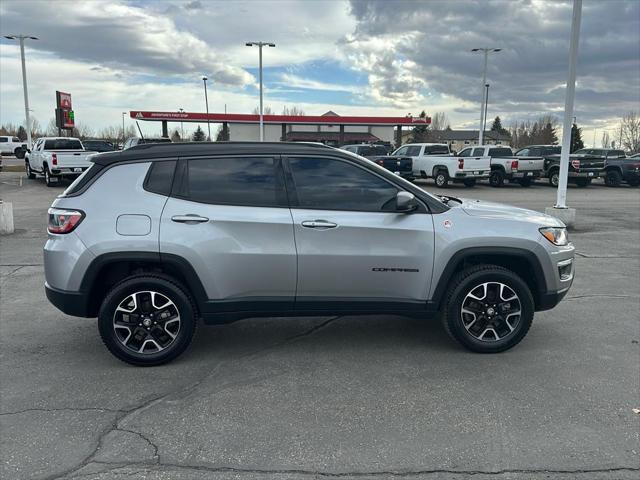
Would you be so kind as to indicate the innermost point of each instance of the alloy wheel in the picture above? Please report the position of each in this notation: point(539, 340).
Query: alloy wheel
point(491, 311)
point(146, 322)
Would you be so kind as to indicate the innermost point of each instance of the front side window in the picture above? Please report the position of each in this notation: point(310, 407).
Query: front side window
point(330, 184)
point(478, 152)
point(4, 140)
point(234, 181)
point(523, 153)
point(401, 151)
point(15, 140)
point(413, 151)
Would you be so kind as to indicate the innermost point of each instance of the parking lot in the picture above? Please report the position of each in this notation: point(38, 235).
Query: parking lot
point(334, 397)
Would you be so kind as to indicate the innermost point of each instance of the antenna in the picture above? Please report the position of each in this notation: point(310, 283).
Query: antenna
point(140, 130)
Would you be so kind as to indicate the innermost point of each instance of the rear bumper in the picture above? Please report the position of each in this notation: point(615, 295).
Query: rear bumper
point(71, 303)
point(479, 174)
point(591, 174)
point(68, 170)
point(534, 174)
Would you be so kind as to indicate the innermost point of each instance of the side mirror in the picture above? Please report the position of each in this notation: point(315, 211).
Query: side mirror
point(406, 202)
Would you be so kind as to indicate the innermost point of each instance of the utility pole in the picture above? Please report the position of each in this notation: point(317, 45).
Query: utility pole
point(181, 128)
point(486, 104)
point(260, 45)
point(486, 52)
point(206, 102)
point(21, 39)
point(560, 210)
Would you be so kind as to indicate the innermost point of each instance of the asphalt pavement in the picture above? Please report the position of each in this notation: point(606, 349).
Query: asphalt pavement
point(334, 397)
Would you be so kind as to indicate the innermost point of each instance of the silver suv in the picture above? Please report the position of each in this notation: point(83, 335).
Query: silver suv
point(156, 237)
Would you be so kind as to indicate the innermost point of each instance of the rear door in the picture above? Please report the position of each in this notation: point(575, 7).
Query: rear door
point(229, 218)
point(353, 248)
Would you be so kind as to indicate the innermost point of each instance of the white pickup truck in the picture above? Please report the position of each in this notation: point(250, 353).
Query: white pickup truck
point(55, 157)
point(506, 166)
point(10, 145)
point(434, 160)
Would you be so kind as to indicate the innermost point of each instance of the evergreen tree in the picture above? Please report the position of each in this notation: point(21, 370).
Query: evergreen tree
point(175, 136)
point(22, 133)
point(576, 138)
point(497, 125)
point(420, 133)
point(548, 135)
point(198, 135)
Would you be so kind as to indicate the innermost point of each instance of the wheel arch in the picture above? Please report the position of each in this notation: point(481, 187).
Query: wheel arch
point(108, 269)
point(437, 168)
point(520, 261)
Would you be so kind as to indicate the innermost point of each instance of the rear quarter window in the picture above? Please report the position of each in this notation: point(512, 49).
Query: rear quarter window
point(160, 177)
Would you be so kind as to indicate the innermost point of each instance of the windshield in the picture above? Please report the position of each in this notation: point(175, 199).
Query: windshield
point(62, 144)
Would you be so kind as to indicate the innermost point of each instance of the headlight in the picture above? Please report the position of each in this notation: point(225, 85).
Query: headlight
point(556, 235)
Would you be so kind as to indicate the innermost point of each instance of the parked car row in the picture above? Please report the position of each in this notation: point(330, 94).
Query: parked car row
point(499, 164)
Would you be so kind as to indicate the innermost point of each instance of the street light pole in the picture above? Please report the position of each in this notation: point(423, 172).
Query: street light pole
point(260, 45)
point(206, 102)
point(486, 52)
point(561, 201)
point(21, 39)
point(123, 139)
point(181, 128)
point(486, 103)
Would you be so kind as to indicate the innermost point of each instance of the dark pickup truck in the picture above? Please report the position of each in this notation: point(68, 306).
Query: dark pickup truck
point(618, 170)
point(583, 167)
point(400, 165)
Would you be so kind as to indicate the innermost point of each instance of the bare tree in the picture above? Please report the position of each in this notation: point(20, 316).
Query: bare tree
point(266, 110)
point(293, 111)
point(606, 141)
point(439, 121)
point(630, 127)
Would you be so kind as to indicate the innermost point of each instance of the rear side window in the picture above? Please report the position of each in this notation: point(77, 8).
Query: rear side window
point(62, 144)
point(478, 152)
point(500, 152)
point(465, 153)
point(256, 182)
point(329, 184)
point(436, 150)
point(413, 151)
point(4, 140)
point(160, 177)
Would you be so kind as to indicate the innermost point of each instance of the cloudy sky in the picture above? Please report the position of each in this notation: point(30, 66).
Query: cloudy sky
point(359, 57)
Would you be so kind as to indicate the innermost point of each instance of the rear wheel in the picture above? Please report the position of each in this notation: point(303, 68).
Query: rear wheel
point(525, 182)
point(554, 178)
point(441, 178)
point(489, 309)
point(147, 320)
point(50, 180)
point(613, 178)
point(27, 168)
point(496, 179)
point(470, 182)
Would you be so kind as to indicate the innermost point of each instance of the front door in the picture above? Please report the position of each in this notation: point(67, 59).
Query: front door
point(229, 218)
point(352, 246)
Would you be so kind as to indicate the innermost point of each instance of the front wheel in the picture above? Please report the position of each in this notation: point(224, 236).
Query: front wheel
point(442, 179)
point(19, 153)
point(613, 178)
point(489, 309)
point(147, 320)
point(29, 172)
point(496, 179)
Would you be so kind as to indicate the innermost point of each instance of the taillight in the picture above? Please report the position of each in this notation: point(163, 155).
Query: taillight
point(63, 221)
point(460, 163)
point(514, 164)
point(575, 164)
point(54, 159)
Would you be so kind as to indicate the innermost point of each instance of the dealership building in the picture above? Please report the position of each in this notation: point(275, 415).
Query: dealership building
point(330, 128)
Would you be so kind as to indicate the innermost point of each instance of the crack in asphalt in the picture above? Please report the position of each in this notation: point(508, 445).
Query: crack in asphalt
point(353, 474)
point(123, 415)
point(606, 295)
point(64, 409)
point(586, 255)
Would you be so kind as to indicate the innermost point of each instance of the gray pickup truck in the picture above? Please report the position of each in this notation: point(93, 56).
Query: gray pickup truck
point(155, 238)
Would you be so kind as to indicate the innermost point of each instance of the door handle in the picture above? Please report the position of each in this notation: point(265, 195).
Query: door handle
point(319, 224)
point(189, 219)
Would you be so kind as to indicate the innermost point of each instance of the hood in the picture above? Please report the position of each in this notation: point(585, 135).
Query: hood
point(480, 208)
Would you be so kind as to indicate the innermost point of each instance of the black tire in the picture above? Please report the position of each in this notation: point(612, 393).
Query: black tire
point(554, 178)
point(441, 178)
point(29, 172)
point(613, 178)
point(168, 288)
point(526, 182)
point(469, 182)
point(48, 178)
point(583, 182)
point(19, 153)
point(468, 281)
point(496, 179)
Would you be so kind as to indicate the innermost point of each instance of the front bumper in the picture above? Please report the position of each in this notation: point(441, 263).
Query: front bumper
point(548, 300)
point(71, 303)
